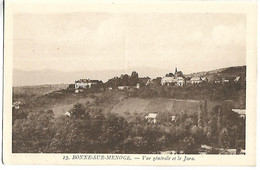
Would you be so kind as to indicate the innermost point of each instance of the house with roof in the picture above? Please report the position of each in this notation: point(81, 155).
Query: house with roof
point(240, 112)
point(225, 80)
point(151, 117)
point(237, 79)
point(168, 81)
point(214, 79)
point(67, 114)
point(86, 83)
point(180, 81)
point(123, 87)
point(195, 80)
point(204, 79)
point(187, 80)
point(173, 79)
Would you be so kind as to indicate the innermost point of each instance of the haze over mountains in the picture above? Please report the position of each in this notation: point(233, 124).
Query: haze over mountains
point(27, 78)
point(31, 78)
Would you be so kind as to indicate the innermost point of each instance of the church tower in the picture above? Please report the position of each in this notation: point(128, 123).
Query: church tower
point(176, 71)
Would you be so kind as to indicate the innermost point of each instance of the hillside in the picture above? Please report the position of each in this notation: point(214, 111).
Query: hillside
point(155, 105)
point(131, 106)
point(55, 98)
point(32, 78)
point(223, 72)
point(39, 89)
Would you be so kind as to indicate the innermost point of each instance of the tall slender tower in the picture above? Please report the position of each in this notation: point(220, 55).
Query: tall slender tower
point(176, 71)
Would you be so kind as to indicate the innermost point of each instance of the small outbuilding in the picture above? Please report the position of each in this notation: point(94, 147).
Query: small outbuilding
point(195, 80)
point(241, 112)
point(151, 117)
point(67, 114)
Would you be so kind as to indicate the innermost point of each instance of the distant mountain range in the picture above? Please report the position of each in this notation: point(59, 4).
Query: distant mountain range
point(25, 78)
point(222, 72)
point(31, 78)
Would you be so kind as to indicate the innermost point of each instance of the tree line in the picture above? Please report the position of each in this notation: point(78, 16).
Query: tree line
point(90, 130)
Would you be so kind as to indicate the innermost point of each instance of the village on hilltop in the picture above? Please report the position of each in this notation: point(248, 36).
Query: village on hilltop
point(208, 105)
point(170, 79)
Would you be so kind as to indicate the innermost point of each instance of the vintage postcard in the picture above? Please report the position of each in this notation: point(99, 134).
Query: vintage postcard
point(129, 83)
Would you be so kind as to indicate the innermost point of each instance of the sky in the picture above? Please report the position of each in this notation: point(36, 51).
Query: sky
point(73, 42)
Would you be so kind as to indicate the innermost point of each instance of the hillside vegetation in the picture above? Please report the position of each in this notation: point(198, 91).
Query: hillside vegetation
point(223, 72)
point(113, 121)
point(159, 105)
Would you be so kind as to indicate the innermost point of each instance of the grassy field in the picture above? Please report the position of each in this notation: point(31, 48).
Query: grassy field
point(131, 106)
point(158, 105)
point(117, 102)
point(61, 108)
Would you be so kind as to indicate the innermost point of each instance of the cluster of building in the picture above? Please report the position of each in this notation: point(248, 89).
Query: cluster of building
point(143, 81)
point(173, 79)
point(82, 84)
point(179, 79)
point(86, 83)
point(168, 80)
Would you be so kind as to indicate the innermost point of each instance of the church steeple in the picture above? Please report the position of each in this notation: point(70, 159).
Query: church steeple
point(176, 71)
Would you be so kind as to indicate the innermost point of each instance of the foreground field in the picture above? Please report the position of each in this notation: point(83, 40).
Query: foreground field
point(114, 121)
point(116, 102)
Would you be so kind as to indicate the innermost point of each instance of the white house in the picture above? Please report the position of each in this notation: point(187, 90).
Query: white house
point(151, 117)
point(173, 118)
point(67, 114)
point(217, 81)
point(16, 105)
point(241, 112)
point(168, 81)
point(86, 83)
point(204, 79)
point(123, 87)
point(225, 80)
point(180, 81)
point(195, 80)
point(237, 79)
point(172, 79)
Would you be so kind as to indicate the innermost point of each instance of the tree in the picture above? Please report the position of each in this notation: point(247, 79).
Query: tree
point(136, 145)
point(79, 111)
point(34, 134)
point(179, 74)
point(224, 138)
point(133, 80)
point(124, 80)
point(157, 81)
point(115, 133)
point(134, 75)
point(148, 92)
point(162, 92)
point(169, 75)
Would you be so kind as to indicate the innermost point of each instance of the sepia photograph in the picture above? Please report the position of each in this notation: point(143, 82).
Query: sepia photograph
point(126, 82)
